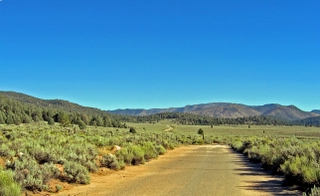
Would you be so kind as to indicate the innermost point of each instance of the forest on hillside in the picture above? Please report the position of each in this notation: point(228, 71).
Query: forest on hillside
point(17, 108)
point(13, 111)
point(193, 119)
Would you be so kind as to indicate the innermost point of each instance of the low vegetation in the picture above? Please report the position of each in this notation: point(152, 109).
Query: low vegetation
point(298, 160)
point(42, 140)
point(8, 186)
point(194, 119)
point(34, 154)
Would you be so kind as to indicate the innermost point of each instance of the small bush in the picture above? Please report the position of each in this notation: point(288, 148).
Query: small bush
point(150, 151)
point(110, 161)
point(131, 155)
point(315, 191)
point(7, 184)
point(59, 188)
point(200, 131)
point(75, 173)
point(138, 155)
point(132, 130)
point(160, 149)
point(31, 175)
point(238, 146)
point(124, 155)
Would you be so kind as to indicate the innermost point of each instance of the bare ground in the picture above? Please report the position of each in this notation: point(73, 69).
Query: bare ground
point(189, 170)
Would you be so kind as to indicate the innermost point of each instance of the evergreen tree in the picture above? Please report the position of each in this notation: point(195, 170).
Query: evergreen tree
point(10, 118)
point(64, 119)
point(201, 132)
point(81, 124)
point(2, 118)
point(51, 121)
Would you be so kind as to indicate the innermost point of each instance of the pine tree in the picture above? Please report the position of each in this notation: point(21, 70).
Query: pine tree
point(2, 118)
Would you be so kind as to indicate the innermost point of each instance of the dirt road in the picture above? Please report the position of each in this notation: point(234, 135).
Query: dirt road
point(191, 170)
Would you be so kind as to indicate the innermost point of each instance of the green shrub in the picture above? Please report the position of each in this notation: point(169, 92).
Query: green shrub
point(75, 173)
point(138, 155)
point(31, 175)
point(49, 171)
point(131, 155)
point(132, 130)
point(149, 150)
point(315, 191)
point(32, 183)
point(165, 144)
point(124, 155)
point(253, 154)
point(59, 188)
point(160, 149)
point(7, 184)
point(171, 146)
point(122, 164)
point(238, 146)
point(200, 131)
point(110, 161)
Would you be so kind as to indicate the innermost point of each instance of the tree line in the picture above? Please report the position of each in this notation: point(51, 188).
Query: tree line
point(17, 108)
point(16, 112)
point(193, 119)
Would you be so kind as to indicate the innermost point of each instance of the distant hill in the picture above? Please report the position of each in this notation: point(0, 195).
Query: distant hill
point(312, 121)
point(316, 111)
point(53, 103)
point(17, 108)
point(25, 108)
point(229, 110)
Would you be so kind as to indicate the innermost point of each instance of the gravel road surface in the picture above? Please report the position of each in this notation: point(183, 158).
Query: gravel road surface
point(190, 170)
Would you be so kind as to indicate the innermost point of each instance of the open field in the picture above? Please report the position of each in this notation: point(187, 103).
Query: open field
point(47, 157)
point(234, 130)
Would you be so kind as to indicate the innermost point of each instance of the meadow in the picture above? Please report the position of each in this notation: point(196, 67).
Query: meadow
point(34, 154)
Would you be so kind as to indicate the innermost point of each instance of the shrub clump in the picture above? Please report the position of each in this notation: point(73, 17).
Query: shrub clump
point(160, 149)
point(31, 175)
point(110, 161)
point(297, 160)
point(132, 130)
point(131, 155)
point(150, 151)
point(7, 184)
point(315, 191)
point(75, 173)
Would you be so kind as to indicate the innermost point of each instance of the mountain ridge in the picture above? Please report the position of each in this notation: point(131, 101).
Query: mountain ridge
point(213, 109)
point(228, 110)
point(50, 103)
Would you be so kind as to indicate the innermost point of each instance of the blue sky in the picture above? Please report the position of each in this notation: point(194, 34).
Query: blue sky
point(152, 54)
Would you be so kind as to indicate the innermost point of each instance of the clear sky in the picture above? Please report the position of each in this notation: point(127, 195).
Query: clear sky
point(114, 54)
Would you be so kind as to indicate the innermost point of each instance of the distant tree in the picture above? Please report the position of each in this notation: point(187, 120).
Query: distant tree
point(10, 118)
point(17, 120)
point(81, 124)
point(85, 118)
point(37, 115)
point(96, 121)
point(51, 121)
point(2, 118)
point(132, 130)
point(64, 119)
point(201, 132)
point(26, 118)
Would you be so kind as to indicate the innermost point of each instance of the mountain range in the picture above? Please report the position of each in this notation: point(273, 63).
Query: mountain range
point(217, 110)
point(229, 110)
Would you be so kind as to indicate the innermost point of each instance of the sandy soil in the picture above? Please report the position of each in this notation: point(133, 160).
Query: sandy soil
point(189, 170)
